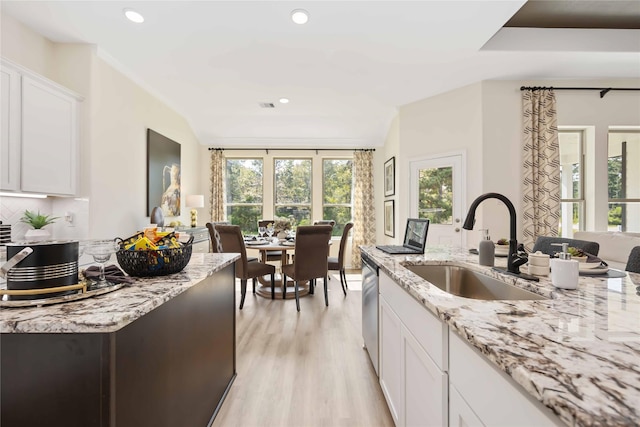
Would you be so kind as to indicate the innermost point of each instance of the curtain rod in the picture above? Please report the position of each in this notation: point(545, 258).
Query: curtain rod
point(603, 91)
point(293, 149)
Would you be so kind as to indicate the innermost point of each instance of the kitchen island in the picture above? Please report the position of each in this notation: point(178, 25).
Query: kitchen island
point(575, 354)
point(157, 352)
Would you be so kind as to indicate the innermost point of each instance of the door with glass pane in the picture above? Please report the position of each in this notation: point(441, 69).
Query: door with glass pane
point(436, 194)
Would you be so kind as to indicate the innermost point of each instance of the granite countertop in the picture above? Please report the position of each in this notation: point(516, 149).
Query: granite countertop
point(578, 352)
point(113, 311)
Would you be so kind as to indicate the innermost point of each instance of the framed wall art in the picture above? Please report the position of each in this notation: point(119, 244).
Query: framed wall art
point(389, 218)
point(163, 174)
point(390, 177)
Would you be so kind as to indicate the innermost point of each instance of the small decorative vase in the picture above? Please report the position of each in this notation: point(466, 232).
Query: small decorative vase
point(282, 235)
point(37, 235)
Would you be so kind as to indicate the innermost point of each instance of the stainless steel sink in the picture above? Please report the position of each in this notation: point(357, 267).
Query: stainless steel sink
point(466, 283)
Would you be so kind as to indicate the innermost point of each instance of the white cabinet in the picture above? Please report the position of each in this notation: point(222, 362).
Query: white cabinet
point(40, 146)
point(411, 359)
point(460, 414)
point(391, 375)
point(492, 397)
point(10, 130)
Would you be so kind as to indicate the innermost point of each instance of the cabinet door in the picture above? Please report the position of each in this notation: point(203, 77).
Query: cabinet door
point(460, 414)
point(425, 386)
point(391, 372)
point(10, 129)
point(49, 138)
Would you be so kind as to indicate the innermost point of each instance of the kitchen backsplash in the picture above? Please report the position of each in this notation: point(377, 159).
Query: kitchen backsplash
point(12, 209)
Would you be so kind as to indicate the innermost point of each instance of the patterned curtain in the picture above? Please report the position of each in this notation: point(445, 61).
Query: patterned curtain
point(216, 201)
point(364, 223)
point(541, 165)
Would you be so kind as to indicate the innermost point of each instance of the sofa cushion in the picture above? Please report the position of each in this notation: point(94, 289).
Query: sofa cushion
point(615, 246)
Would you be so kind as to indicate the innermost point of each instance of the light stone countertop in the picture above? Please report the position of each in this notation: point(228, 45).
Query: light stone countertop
point(578, 353)
point(113, 311)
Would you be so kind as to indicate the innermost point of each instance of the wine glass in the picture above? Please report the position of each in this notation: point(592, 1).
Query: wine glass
point(101, 251)
point(270, 231)
point(262, 231)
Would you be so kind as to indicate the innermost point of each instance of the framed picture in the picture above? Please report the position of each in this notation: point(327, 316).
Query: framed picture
point(390, 177)
point(163, 174)
point(389, 218)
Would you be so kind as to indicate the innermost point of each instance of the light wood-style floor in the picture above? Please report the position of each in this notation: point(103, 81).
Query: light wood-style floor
point(303, 369)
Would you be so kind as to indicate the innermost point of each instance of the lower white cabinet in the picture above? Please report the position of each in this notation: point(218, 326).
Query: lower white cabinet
point(460, 414)
point(414, 386)
point(488, 396)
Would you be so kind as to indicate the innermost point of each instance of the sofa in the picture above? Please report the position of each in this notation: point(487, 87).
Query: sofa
point(615, 246)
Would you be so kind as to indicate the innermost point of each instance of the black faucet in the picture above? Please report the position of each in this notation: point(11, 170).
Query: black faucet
point(514, 259)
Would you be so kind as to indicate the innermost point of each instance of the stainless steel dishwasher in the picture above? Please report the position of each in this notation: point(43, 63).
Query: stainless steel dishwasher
point(370, 308)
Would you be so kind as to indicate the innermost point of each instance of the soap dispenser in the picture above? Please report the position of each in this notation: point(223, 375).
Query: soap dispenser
point(564, 270)
point(486, 249)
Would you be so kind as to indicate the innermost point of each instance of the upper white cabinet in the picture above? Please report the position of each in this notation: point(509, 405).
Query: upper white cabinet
point(40, 144)
point(10, 130)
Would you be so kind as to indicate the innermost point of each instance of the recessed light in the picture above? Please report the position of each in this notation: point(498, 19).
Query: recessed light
point(284, 100)
point(300, 16)
point(133, 16)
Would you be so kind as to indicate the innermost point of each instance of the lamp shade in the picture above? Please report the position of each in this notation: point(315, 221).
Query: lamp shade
point(195, 201)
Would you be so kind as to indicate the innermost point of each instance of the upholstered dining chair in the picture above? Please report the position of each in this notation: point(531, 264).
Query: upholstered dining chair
point(543, 244)
point(311, 253)
point(231, 240)
point(633, 264)
point(216, 247)
point(337, 263)
point(271, 255)
point(330, 222)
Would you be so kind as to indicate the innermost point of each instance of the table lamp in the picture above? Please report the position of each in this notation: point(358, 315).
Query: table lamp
point(195, 201)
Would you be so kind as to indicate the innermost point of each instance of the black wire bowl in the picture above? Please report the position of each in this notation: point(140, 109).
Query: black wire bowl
point(159, 262)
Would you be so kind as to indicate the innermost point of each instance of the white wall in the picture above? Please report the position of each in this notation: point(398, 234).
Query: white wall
point(381, 155)
point(485, 120)
point(115, 115)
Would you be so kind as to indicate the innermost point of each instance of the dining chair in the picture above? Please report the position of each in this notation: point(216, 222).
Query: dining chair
point(543, 244)
point(232, 241)
point(216, 247)
point(337, 263)
point(312, 252)
point(271, 255)
point(330, 222)
point(633, 264)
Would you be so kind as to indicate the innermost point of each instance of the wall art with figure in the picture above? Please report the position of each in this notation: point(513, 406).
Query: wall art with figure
point(163, 174)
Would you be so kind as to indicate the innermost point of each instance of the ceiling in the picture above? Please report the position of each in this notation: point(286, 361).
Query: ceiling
point(345, 72)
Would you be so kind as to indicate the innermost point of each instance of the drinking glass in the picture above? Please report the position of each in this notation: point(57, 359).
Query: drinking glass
point(101, 251)
point(262, 231)
point(270, 231)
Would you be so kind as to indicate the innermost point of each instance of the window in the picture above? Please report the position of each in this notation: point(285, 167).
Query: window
point(337, 189)
point(435, 190)
point(244, 189)
point(624, 180)
point(572, 203)
point(293, 190)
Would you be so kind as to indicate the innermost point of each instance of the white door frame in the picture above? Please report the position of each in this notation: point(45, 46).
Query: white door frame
point(459, 186)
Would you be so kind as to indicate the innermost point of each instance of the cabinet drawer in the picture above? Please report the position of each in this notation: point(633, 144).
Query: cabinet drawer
point(429, 331)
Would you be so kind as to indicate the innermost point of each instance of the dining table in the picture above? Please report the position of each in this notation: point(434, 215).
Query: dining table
point(264, 287)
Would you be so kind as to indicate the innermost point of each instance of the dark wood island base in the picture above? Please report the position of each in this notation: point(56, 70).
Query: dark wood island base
point(173, 366)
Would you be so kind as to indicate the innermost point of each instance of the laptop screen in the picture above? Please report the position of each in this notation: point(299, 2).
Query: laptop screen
point(415, 235)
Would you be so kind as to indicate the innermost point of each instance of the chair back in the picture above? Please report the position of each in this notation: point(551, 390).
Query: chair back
point(312, 251)
point(633, 264)
point(216, 247)
point(543, 244)
point(232, 241)
point(265, 222)
point(330, 222)
point(343, 243)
